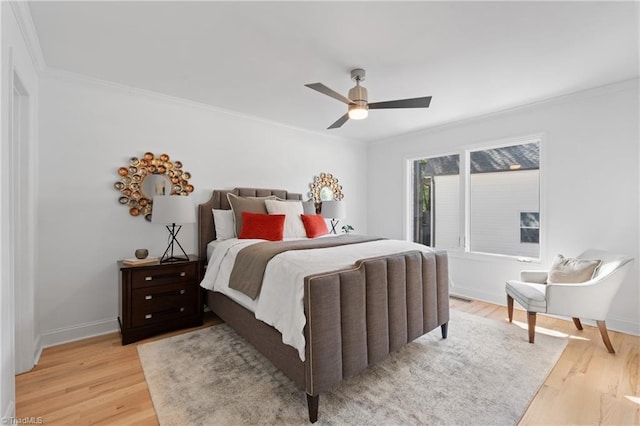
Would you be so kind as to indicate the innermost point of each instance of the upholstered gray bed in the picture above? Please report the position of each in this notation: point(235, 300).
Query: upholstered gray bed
point(355, 317)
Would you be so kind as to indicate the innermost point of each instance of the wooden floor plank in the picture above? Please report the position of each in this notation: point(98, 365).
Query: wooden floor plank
point(99, 381)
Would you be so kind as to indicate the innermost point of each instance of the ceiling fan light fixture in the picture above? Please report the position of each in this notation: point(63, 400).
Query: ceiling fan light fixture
point(358, 110)
point(358, 100)
point(358, 93)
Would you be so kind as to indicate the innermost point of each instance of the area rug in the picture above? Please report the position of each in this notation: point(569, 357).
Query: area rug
point(484, 373)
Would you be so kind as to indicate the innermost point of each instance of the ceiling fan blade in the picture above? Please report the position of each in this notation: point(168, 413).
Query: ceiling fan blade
point(339, 122)
point(329, 92)
point(402, 103)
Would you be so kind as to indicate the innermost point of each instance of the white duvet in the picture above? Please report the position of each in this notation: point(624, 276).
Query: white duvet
point(280, 303)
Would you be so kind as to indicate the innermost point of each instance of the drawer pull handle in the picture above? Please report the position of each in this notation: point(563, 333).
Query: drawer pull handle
point(166, 276)
point(148, 316)
point(169, 293)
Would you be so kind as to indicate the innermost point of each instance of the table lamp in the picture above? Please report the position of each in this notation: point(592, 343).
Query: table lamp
point(173, 211)
point(333, 210)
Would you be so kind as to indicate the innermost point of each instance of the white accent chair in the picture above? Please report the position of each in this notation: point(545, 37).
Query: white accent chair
point(590, 299)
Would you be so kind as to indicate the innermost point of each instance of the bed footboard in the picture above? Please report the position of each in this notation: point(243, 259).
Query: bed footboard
point(357, 317)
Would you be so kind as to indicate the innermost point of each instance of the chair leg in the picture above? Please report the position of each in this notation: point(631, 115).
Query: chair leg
point(510, 307)
point(531, 320)
point(577, 322)
point(605, 336)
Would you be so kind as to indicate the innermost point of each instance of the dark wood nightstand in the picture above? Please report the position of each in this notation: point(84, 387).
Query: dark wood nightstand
point(158, 298)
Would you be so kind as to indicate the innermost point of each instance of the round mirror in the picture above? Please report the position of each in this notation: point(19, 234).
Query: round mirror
point(325, 187)
point(153, 185)
point(326, 193)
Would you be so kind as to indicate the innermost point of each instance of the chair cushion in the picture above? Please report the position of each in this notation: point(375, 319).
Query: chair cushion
point(529, 295)
point(568, 270)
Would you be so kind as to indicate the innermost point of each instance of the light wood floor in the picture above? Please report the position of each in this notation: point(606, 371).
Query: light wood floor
point(98, 381)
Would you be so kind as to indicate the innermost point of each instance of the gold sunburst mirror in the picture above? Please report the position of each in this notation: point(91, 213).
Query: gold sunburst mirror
point(148, 176)
point(325, 187)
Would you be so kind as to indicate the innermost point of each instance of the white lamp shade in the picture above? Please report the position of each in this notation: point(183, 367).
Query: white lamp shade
point(333, 209)
point(172, 209)
point(309, 207)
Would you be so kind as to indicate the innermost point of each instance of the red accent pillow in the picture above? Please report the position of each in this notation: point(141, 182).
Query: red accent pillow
point(263, 226)
point(315, 225)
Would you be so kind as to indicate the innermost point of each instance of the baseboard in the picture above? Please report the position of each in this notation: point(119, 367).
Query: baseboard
point(614, 324)
point(479, 295)
point(37, 351)
point(78, 332)
point(9, 414)
point(37, 344)
point(620, 325)
point(460, 298)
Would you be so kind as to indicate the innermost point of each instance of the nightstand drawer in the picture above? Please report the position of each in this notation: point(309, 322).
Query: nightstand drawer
point(164, 274)
point(161, 303)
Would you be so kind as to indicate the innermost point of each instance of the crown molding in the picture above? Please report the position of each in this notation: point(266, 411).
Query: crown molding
point(580, 94)
point(76, 78)
point(29, 33)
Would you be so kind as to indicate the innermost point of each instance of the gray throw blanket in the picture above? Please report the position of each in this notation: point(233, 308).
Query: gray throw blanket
point(251, 262)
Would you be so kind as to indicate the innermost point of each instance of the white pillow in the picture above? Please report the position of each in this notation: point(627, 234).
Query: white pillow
point(223, 220)
point(293, 226)
point(569, 270)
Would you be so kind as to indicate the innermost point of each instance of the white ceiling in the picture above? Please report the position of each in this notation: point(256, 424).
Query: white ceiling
point(255, 57)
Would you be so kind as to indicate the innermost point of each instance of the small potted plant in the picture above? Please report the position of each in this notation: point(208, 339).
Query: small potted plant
point(347, 229)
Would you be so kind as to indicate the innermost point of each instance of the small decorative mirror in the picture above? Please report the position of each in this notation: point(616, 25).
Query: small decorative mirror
point(155, 185)
point(147, 177)
point(325, 188)
point(326, 194)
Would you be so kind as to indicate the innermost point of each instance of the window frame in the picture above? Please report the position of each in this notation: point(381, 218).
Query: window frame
point(411, 230)
point(464, 152)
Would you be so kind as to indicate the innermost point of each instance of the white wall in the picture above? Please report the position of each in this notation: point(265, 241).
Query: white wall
point(89, 129)
point(590, 179)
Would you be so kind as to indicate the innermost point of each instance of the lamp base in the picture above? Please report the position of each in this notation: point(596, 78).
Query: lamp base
point(334, 223)
point(168, 253)
point(173, 259)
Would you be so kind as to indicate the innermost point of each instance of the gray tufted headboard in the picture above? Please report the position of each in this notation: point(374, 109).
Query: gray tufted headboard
point(206, 227)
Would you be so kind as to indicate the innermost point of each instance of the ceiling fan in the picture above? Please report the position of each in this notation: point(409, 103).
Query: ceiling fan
point(359, 105)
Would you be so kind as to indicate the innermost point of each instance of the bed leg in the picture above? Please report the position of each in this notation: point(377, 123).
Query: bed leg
point(444, 328)
point(312, 403)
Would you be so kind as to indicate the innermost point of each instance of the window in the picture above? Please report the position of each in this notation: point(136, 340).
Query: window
point(501, 196)
point(436, 207)
point(530, 227)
